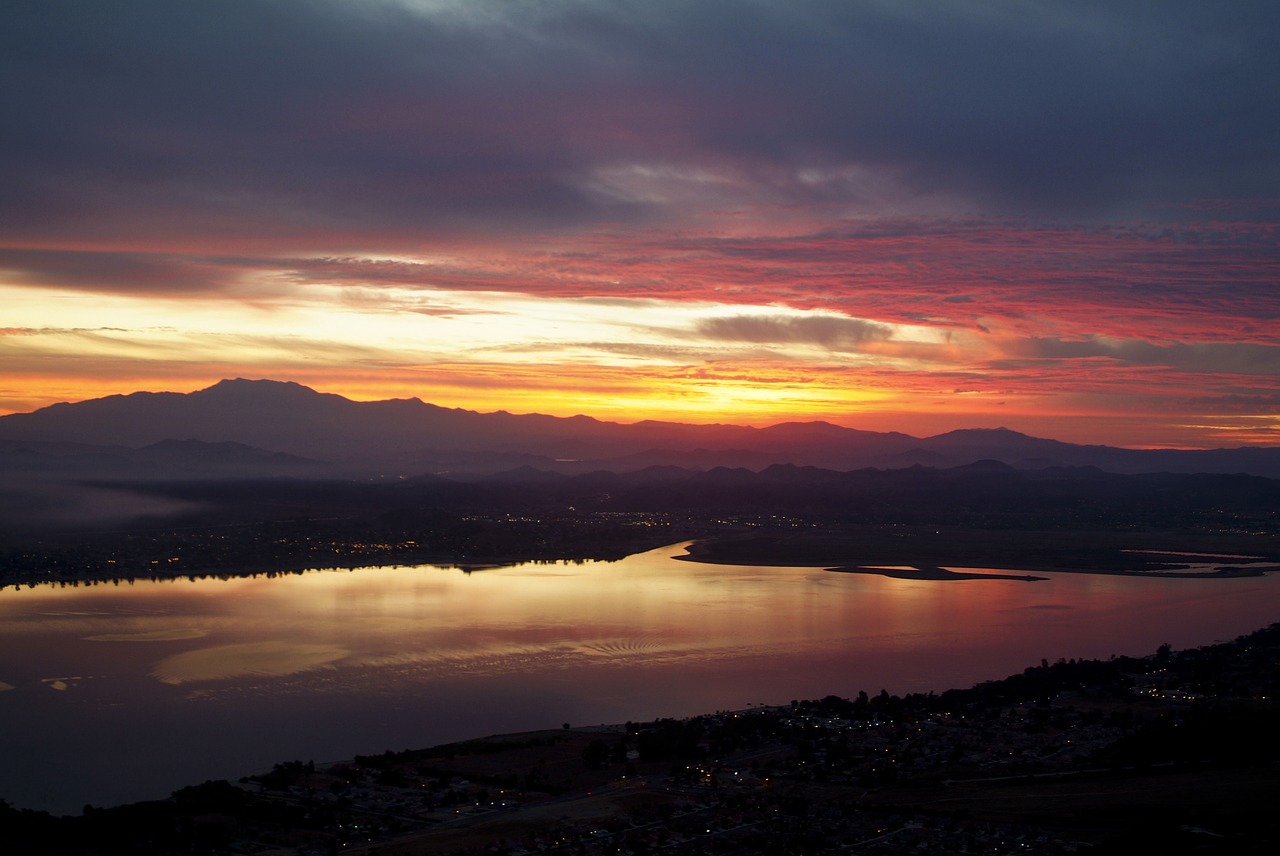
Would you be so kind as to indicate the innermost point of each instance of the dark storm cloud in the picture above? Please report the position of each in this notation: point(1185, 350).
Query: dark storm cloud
point(832, 332)
point(274, 114)
point(310, 118)
point(1221, 357)
point(125, 273)
point(1238, 403)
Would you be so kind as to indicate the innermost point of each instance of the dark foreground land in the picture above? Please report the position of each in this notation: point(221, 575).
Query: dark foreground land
point(1177, 752)
point(989, 516)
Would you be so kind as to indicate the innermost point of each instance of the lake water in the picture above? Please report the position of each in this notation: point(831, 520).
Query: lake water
point(115, 693)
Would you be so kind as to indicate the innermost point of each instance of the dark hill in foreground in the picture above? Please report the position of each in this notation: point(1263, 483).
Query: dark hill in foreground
point(1175, 752)
point(321, 433)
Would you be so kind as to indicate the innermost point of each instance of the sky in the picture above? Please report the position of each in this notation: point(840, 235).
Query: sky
point(1058, 217)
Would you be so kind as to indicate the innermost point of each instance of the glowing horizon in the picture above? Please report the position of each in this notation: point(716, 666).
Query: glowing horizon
point(751, 214)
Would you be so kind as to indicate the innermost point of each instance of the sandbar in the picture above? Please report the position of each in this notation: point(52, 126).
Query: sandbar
point(931, 572)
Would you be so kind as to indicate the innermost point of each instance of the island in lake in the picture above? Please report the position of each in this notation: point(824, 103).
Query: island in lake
point(933, 573)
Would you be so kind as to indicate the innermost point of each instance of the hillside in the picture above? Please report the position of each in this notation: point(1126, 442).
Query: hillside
point(1175, 752)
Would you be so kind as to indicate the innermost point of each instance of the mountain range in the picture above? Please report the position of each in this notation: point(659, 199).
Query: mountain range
point(256, 428)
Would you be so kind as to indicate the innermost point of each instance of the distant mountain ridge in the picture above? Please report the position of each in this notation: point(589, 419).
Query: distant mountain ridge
point(292, 429)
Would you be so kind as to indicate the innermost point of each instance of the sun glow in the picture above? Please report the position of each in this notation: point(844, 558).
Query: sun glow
point(635, 214)
point(616, 358)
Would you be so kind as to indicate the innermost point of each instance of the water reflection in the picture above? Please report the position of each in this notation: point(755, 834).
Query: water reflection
point(162, 635)
point(250, 659)
point(326, 664)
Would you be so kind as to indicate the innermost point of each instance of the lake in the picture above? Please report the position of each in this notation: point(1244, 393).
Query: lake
point(115, 693)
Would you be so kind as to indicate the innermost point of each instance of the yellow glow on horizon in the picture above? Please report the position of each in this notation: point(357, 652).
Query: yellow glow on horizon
point(622, 359)
point(626, 395)
point(616, 359)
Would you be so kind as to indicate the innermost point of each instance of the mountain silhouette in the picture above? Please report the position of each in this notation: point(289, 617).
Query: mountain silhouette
point(288, 427)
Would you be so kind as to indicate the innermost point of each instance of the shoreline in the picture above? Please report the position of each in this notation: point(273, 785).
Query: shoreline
point(703, 552)
point(606, 787)
point(932, 573)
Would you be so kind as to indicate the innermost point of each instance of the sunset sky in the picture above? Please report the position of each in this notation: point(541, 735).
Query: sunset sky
point(1058, 217)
